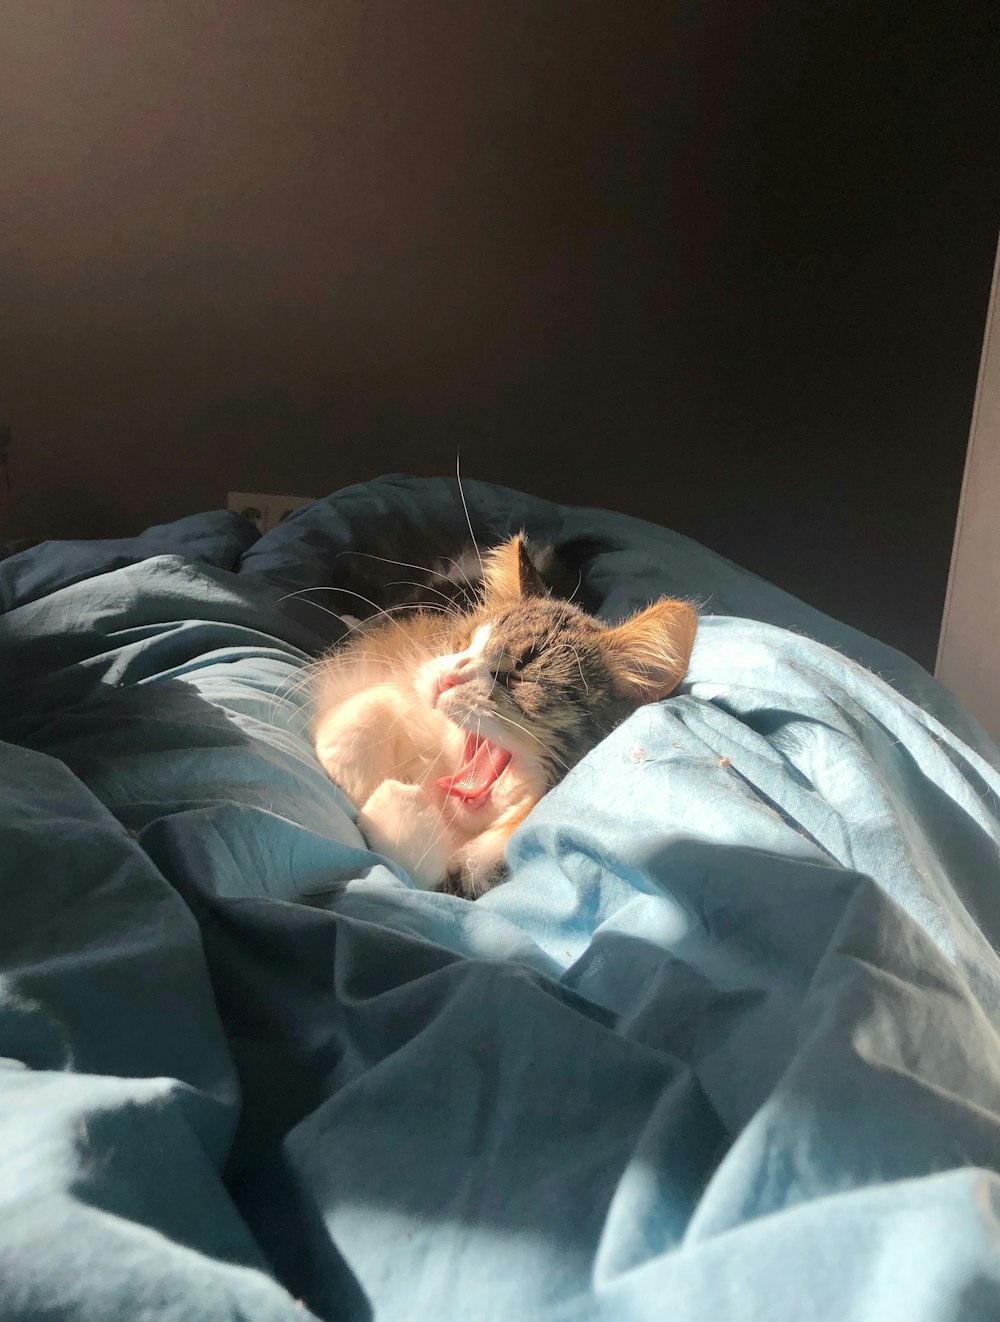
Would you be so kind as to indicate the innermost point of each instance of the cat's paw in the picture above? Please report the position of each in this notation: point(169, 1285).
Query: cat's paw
point(476, 868)
point(402, 822)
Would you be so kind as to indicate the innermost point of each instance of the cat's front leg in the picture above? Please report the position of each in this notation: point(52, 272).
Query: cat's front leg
point(476, 868)
point(478, 865)
point(358, 743)
point(404, 824)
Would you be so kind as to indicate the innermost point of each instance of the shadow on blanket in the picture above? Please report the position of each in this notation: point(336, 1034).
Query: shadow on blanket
point(775, 1036)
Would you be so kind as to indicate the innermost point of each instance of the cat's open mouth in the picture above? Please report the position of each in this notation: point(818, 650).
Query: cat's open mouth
point(482, 765)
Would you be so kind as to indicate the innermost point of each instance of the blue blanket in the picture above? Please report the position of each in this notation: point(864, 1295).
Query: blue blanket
point(725, 1046)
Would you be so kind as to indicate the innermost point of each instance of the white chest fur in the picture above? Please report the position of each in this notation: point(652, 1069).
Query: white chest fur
point(385, 739)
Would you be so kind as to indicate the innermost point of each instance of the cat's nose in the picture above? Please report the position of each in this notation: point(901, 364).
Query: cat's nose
point(450, 679)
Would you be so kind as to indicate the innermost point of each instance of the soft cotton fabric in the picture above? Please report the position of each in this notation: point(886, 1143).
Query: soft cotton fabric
point(725, 1045)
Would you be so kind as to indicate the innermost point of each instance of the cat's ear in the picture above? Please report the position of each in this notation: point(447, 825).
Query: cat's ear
point(648, 654)
point(509, 572)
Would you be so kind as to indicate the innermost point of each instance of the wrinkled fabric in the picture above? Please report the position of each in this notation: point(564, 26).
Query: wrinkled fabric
point(724, 1046)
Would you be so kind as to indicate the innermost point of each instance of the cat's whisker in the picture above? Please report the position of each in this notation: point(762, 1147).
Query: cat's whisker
point(440, 827)
point(494, 681)
point(304, 680)
point(468, 520)
point(297, 683)
point(450, 559)
point(376, 743)
point(296, 718)
point(550, 752)
point(405, 582)
point(333, 587)
point(293, 682)
point(409, 564)
point(441, 831)
point(379, 610)
point(301, 593)
point(449, 607)
point(309, 762)
point(289, 699)
point(579, 666)
point(402, 715)
point(279, 700)
point(302, 677)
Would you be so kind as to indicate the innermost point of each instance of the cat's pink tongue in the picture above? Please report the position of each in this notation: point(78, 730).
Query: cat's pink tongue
point(479, 771)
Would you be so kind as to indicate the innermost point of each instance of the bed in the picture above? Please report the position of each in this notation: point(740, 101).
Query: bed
point(724, 1046)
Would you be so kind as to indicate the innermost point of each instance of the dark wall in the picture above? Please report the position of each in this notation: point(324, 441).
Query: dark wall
point(721, 265)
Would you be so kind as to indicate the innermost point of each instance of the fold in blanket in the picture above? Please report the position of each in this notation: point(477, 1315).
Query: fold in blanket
point(725, 1045)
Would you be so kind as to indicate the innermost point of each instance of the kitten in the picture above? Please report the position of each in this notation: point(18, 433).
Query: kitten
point(446, 728)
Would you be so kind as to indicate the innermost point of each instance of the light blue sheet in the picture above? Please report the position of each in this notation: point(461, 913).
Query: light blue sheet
point(725, 1047)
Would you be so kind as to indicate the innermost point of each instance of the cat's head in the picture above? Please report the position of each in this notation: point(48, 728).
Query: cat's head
point(537, 677)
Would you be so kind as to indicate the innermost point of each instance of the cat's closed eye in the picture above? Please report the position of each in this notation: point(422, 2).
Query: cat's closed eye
point(527, 656)
point(511, 672)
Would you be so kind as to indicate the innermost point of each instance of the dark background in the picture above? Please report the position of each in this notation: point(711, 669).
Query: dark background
point(722, 265)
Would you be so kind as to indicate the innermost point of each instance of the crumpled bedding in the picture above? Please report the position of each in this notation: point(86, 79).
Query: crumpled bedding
point(725, 1045)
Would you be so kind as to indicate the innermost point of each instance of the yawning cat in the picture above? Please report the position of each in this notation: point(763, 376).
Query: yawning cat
point(446, 728)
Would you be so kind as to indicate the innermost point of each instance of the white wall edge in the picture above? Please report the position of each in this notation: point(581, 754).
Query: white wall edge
point(966, 644)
